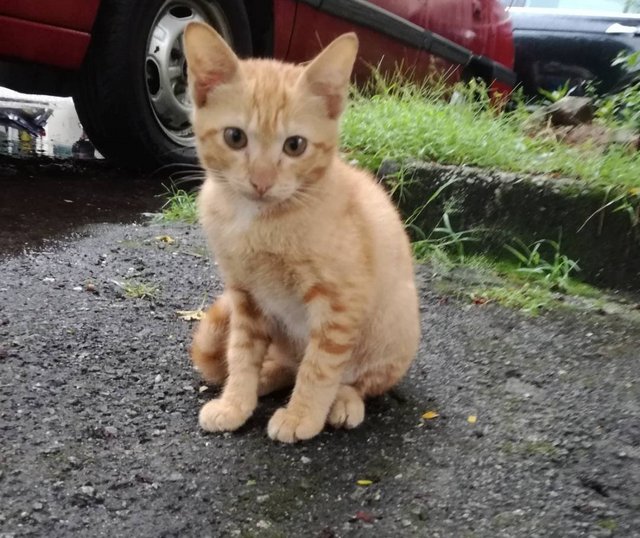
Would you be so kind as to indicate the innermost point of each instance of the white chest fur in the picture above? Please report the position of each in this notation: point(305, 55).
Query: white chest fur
point(287, 311)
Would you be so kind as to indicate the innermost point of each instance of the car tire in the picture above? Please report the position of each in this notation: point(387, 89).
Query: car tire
point(130, 93)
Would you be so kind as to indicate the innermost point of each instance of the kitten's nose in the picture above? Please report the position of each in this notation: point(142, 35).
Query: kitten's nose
point(262, 178)
point(261, 187)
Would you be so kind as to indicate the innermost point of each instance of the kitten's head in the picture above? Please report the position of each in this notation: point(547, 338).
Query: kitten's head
point(265, 129)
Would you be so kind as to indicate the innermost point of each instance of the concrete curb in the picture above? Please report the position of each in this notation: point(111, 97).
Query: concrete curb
point(512, 205)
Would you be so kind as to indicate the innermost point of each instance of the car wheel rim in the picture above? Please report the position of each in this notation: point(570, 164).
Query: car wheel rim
point(166, 68)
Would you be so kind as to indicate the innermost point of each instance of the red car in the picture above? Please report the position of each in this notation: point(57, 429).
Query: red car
point(122, 60)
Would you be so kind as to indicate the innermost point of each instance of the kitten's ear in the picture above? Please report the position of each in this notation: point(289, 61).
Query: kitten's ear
point(328, 74)
point(210, 61)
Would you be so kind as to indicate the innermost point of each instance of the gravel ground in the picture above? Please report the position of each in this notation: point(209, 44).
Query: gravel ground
point(99, 435)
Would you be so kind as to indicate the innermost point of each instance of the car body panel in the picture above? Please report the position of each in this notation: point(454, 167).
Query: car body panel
point(417, 36)
point(284, 15)
point(49, 32)
point(375, 49)
point(57, 33)
point(71, 14)
point(42, 43)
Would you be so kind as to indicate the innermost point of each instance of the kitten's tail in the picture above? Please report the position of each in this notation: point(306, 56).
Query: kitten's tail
point(209, 346)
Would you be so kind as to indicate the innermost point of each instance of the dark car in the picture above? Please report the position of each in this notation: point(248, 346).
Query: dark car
point(122, 60)
point(572, 41)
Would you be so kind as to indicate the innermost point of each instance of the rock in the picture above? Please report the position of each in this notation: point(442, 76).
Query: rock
point(110, 431)
point(175, 477)
point(626, 137)
point(388, 168)
point(571, 110)
point(262, 524)
point(527, 390)
point(87, 490)
point(599, 136)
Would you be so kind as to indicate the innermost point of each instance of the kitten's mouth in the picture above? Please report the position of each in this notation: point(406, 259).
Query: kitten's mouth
point(262, 199)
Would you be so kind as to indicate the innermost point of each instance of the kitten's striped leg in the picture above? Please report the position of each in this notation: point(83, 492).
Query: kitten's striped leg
point(248, 342)
point(209, 346)
point(334, 329)
point(275, 375)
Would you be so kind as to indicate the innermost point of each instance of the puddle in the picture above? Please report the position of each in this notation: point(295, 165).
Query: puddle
point(37, 210)
point(46, 191)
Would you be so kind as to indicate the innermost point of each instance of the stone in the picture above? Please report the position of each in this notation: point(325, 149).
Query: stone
point(626, 137)
point(176, 477)
point(571, 110)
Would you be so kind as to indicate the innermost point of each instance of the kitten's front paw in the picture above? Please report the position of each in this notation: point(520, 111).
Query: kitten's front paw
point(289, 427)
point(219, 415)
point(347, 410)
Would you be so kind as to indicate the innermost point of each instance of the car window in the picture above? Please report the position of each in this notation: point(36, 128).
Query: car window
point(608, 6)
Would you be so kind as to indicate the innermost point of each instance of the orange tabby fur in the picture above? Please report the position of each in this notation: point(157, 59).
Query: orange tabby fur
point(319, 284)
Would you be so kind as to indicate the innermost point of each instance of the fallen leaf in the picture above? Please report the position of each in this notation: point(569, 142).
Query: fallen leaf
point(367, 517)
point(364, 482)
point(430, 415)
point(472, 419)
point(190, 315)
point(165, 239)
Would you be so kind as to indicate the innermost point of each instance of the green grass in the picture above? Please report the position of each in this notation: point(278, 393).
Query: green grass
point(405, 122)
point(134, 289)
point(180, 206)
point(608, 524)
point(531, 293)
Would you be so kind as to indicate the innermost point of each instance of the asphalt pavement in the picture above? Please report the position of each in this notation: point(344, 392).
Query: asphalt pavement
point(537, 432)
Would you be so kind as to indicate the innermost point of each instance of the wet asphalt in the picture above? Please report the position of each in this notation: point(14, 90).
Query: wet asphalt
point(98, 402)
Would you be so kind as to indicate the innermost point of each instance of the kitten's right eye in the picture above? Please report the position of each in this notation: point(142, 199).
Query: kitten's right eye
point(235, 138)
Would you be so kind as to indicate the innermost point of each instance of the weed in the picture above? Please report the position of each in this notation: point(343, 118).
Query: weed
point(530, 298)
point(180, 206)
point(530, 448)
point(608, 524)
point(557, 94)
point(404, 122)
point(133, 289)
point(627, 201)
point(444, 242)
point(556, 272)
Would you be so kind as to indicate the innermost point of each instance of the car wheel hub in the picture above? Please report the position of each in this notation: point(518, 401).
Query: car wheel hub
point(166, 69)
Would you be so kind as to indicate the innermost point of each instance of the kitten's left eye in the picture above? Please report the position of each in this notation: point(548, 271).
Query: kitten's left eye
point(294, 146)
point(235, 138)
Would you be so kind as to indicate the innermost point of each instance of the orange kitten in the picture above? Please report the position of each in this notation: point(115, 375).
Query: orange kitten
point(319, 285)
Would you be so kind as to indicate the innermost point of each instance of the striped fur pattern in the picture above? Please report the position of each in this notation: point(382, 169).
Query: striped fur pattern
point(319, 286)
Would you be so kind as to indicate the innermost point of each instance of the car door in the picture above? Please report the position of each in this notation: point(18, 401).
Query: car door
point(419, 37)
point(314, 29)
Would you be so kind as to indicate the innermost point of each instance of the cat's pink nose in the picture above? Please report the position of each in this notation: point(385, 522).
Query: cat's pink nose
point(261, 185)
point(260, 188)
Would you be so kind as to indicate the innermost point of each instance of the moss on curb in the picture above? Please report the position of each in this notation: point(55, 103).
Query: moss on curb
point(603, 238)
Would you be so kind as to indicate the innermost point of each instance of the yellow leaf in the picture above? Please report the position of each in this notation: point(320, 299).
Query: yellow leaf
point(364, 482)
point(430, 415)
point(472, 419)
point(190, 315)
point(165, 239)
